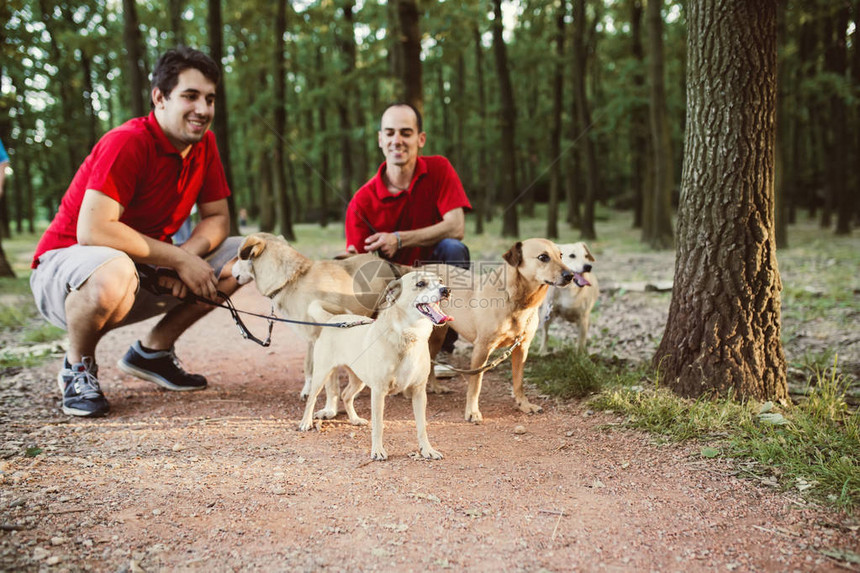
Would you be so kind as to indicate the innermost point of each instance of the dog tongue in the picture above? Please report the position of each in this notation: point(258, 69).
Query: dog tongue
point(436, 314)
point(580, 280)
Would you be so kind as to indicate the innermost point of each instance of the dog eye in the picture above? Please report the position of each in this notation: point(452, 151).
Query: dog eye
point(421, 284)
point(544, 258)
point(572, 256)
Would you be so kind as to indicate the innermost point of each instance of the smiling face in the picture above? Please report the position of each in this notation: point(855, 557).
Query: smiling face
point(186, 113)
point(399, 138)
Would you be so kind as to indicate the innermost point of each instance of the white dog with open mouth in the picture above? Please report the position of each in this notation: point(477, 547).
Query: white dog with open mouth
point(574, 301)
point(390, 355)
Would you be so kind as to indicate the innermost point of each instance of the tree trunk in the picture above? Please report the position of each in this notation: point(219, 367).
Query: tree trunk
point(658, 231)
point(279, 183)
point(723, 330)
point(481, 189)
point(639, 144)
point(134, 59)
point(588, 155)
point(322, 114)
point(174, 9)
point(410, 53)
point(555, 174)
point(5, 268)
point(836, 62)
point(220, 124)
point(508, 119)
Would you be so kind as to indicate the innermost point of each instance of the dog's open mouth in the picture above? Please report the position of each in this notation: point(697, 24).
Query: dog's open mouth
point(580, 280)
point(432, 311)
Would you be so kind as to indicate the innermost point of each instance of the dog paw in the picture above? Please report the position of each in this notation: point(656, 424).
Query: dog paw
point(325, 414)
point(529, 408)
point(474, 417)
point(438, 389)
point(305, 426)
point(357, 421)
point(379, 455)
point(431, 454)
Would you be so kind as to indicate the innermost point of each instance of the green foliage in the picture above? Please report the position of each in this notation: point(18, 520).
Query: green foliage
point(567, 373)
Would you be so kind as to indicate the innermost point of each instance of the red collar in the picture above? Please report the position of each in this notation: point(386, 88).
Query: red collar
point(382, 191)
point(161, 142)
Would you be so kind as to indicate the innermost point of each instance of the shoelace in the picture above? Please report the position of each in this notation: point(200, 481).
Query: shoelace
point(86, 384)
point(175, 359)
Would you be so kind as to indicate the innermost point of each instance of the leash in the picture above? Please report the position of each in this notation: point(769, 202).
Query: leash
point(149, 280)
point(505, 355)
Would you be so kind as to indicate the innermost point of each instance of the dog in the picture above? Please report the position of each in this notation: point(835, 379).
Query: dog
point(390, 355)
point(500, 308)
point(312, 291)
point(573, 302)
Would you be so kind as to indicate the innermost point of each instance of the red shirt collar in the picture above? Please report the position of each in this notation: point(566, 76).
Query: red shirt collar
point(162, 143)
point(382, 191)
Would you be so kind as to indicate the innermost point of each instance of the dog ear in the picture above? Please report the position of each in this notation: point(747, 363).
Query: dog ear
point(392, 292)
point(251, 248)
point(588, 254)
point(514, 256)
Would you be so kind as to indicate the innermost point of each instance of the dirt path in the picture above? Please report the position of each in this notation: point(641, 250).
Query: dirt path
point(221, 480)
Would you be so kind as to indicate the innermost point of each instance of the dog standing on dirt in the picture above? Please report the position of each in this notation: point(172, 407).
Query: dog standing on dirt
point(390, 356)
point(574, 302)
point(311, 291)
point(500, 308)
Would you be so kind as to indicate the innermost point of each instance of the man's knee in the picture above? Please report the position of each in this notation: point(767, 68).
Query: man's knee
point(112, 284)
point(452, 252)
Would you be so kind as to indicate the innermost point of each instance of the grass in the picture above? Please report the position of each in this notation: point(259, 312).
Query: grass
point(812, 446)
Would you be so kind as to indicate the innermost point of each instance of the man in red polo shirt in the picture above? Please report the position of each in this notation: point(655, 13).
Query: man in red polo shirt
point(128, 198)
point(412, 210)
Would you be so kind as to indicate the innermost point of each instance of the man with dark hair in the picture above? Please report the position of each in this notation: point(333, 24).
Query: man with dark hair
point(413, 209)
point(116, 220)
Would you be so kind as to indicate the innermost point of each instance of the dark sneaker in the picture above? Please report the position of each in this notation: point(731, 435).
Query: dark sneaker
point(161, 367)
point(82, 395)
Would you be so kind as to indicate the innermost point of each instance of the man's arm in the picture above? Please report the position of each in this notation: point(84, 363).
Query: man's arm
point(99, 224)
point(452, 226)
point(211, 230)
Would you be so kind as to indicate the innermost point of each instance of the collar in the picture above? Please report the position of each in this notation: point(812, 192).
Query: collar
point(161, 142)
point(382, 191)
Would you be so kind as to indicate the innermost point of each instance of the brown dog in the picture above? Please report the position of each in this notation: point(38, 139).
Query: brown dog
point(498, 308)
point(312, 291)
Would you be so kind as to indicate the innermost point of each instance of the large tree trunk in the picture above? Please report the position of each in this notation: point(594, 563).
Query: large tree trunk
point(657, 231)
point(346, 44)
point(279, 183)
point(174, 9)
point(134, 59)
point(836, 62)
point(322, 114)
point(723, 330)
point(586, 144)
point(555, 174)
point(508, 119)
point(481, 191)
point(220, 123)
point(409, 41)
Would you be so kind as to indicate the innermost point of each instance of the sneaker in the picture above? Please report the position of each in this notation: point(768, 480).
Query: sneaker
point(79, 383)
point(443, 371)
point(161, 367)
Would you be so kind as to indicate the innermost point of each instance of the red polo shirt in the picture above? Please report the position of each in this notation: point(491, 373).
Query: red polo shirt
point(136, 165)
point(435, 189)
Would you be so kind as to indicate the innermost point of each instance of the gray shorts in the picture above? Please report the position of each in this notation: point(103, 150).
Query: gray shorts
point(62, 271)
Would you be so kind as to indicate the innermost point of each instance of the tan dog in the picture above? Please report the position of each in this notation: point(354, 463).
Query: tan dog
point(496, 309)
point(311, 291)
point(575, 301)
point(390, 356)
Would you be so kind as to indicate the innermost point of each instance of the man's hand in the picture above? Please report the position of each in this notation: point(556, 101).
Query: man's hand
point(196, 274)
point(385, 242)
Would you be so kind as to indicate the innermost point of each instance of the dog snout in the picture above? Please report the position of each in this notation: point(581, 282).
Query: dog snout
point(566, 276)
point(444, 292)
point(586, 268)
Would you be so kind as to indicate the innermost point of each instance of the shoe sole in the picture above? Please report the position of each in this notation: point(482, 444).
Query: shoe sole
point(150, 377)
point(444, 373)
point(74, 411)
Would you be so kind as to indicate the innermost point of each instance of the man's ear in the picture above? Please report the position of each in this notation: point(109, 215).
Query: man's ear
point(514, 256)
point(157, 96)
point(251, 248)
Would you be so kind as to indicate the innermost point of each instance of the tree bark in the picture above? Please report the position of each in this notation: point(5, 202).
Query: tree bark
point(507, 119)
point(586, 144)
point(174, 9)
point(836, 62)
point(481, 188)
point(658, 231)
point(134, 59)
point(279, 183)
point(723, 329)
point(322, 114)
point(220, 123)
point(346, 44)
point(410, 53)
point(639, 144)
point(555, 175)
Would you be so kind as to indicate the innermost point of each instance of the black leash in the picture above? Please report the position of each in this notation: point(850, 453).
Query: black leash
point(149, 280)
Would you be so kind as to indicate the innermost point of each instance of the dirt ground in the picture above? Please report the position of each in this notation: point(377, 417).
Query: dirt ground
point(221, 480)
